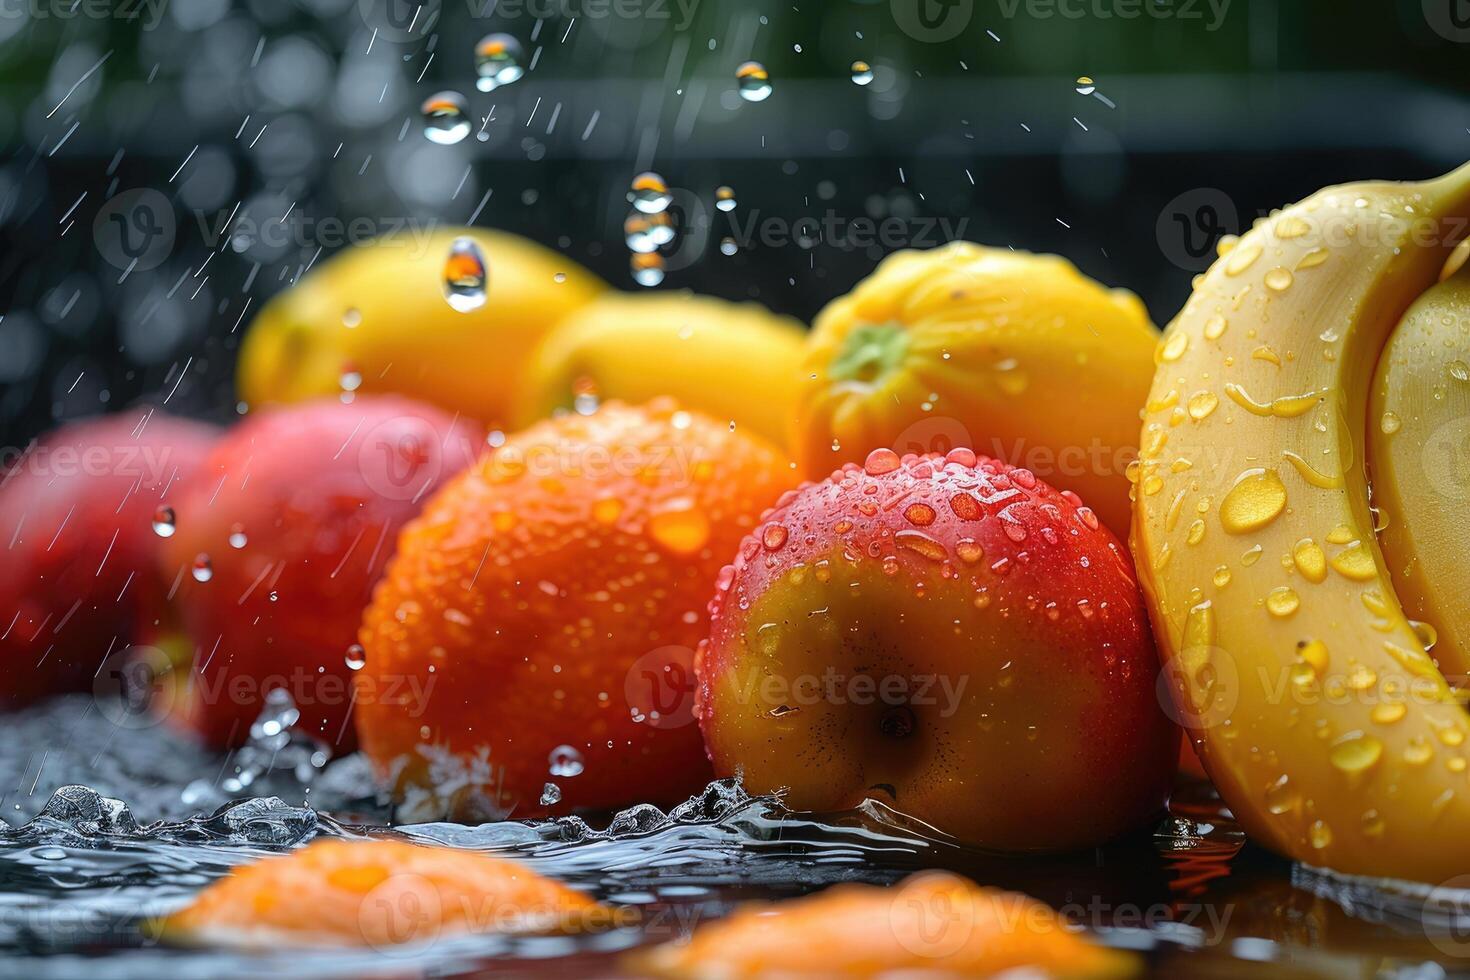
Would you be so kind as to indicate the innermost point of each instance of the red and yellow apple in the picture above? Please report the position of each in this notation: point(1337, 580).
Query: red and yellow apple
point(281, 534)
point(947, 634)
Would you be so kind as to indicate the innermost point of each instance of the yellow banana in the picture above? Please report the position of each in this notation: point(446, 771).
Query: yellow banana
point(1310, 695)
point(1419, 443)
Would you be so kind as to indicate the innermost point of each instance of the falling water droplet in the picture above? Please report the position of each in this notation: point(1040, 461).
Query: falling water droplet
point(754, 81)
point(165, 523)
point(725, 197)
point(465, 276)
point(728, 246)
point(237, 537)
point(550, 794)
point(356, 657)
point(648, 269)
point(565, 762)
point(646, 232)
point(446, 118)
point(650, 193)
point(499, 60)
point(1085, 85)
point(203, 569)
point(862, 73)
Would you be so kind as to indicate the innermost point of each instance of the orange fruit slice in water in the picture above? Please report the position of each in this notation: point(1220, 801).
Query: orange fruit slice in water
point(381, 894)
point(935, 924)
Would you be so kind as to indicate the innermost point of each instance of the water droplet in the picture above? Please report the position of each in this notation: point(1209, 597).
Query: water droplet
point(725, 197)
point(647, 268)
point(1459, 370)
point(1356, 752)
point(550, 794)
point(351, 317)
point(499, 60)
point(165, 522)
point(237, 537)
point(565, 762)
point(881, 461)
point(1310, 560)
point(754, 81)
point(646, 232)
point(465, 276)
point(1355, 562)
point(649, 193)
point(1256, 500)
point(1085, 85)
point(203, 568)
point(1282, 601)
point(1390, 423)
point(862, 73)
point(728, 246)
point(1202, 404)
point(1174, 347)
point(446, 118)
point(1320, 835)
point(356, 657)
point(1278, 279)
point(921, 544)
point(921, 514)
point(1282, 797)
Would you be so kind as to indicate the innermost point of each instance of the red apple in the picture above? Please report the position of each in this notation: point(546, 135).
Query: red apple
point(282, 534)
point(78, 578)
point(950, 635)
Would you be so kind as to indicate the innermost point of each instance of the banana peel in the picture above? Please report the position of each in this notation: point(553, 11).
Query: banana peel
point(1284, 613)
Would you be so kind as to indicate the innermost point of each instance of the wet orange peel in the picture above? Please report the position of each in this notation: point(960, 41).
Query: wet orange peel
point(934, 924)
point(1319, 352)
point(377, 893)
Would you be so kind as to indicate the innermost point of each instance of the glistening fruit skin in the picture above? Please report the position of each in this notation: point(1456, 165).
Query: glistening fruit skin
point(1419, 441)
point(732, 361)
point(78, 579)
point(380, 893)
point(1318, 713)
point(378, 311)
point(294, 516)
point(552, 597)
point(1007, 353)
point(948, 634)
point(933, 924)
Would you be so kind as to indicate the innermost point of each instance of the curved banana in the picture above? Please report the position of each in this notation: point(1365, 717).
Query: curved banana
point(1316, 708)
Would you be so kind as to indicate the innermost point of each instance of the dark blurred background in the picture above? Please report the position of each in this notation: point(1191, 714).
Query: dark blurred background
point(1126, 135)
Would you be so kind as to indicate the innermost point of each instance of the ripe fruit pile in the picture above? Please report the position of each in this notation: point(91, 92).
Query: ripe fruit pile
point(961, 637)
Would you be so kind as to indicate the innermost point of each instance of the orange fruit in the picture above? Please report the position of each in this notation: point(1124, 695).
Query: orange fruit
point(934, 924)
point(538, 620)
point(380, 893)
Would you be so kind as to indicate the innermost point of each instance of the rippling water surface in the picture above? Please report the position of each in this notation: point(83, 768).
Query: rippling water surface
point(108, 826)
